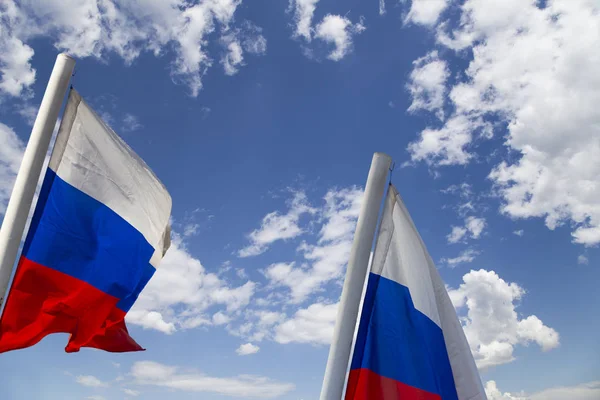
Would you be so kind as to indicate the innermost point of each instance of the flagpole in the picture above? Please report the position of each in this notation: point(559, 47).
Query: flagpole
point(343, 335)
point(23, 191)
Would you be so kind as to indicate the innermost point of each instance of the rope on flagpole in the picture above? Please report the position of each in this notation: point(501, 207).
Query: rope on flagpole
point(392, 167)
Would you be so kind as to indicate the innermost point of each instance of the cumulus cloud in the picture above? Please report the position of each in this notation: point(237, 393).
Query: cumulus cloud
point(149, 373)
point(338, 30)
point(233, 57)
point(427, 84)
point(276, 226)
point(313, 325)
point(258, 324)
point(247, 349)
point(457, 234)
point(11, 153)
point(333, 29)
point(585, 391)
point(465, 256)
point(303, 16)
point(448, 145)
point(131, 392)
point(90, 381)
point(220, 318)
point(248, 39)
point(493, 393)
point(325, 260)
point(473, 228)
point(533, 78)
point(582, 260)
point(97, 29)
point(492, 325)
point(181, 291)
point(426, 12)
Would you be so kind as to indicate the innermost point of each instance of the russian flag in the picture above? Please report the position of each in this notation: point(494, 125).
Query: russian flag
point(99, 230)
point(410, 344)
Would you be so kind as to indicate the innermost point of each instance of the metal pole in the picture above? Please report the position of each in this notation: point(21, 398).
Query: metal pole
point(341, 345)
point(23, 191)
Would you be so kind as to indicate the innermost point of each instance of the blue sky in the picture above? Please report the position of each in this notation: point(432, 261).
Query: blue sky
point(261, 120)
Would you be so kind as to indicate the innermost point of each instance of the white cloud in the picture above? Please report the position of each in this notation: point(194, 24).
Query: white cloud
point(326, 259)
point(150, 320)
point(181, 291)
point(427, 84)
point(492, 325)
point(333, 29)
point(381, 7)
point(90, 381)
point(338, 30)
point(259, 324)
point(448, 145)
point(252, 39)
point(493, 393)
point(131, 123)
point(97, 29)
point(314, 325)
point(220, 318)
point(151, 373)
point(465, 256)
point(246, 349)
point(11, 153)
point(473, 227)
point(582, 260)
point(28, 112)
point(464, 190)
point(470, 202)
point(241, 273)
point(520, 232)
point(191, 229)
point(248, 39)
point(533, 71)
point(585, 391)
point(276, 226)
point(303, 15)
point(426, 12)
point(16, 73)
point(457, 234)
point(130, 392)
point(96, 397)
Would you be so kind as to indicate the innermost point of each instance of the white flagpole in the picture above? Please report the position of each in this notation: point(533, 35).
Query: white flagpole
point(343, 335)
point(23, 191)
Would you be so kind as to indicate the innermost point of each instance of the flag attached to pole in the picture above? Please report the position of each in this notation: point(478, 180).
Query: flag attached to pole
point(410, 344)
point(99, 230)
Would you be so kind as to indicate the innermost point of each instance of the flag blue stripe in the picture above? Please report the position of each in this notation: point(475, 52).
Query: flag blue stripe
point(73, 233)
point(397, 341)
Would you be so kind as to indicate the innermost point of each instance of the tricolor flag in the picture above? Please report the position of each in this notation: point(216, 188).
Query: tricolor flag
point(410, 344)
point(99, 230)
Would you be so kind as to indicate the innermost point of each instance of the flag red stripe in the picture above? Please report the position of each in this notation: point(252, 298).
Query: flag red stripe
point(364, 384)
point(43, 301)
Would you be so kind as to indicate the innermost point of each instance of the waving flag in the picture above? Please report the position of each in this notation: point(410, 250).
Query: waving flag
point(410, 344)
point(99, 230)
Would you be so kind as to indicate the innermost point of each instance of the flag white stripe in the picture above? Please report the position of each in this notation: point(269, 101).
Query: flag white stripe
point(92, 158)
point(406, 261)
point(401, 256)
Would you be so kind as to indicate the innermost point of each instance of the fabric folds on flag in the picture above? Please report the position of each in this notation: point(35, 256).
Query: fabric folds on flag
point(410, 344)
point(99, 230)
